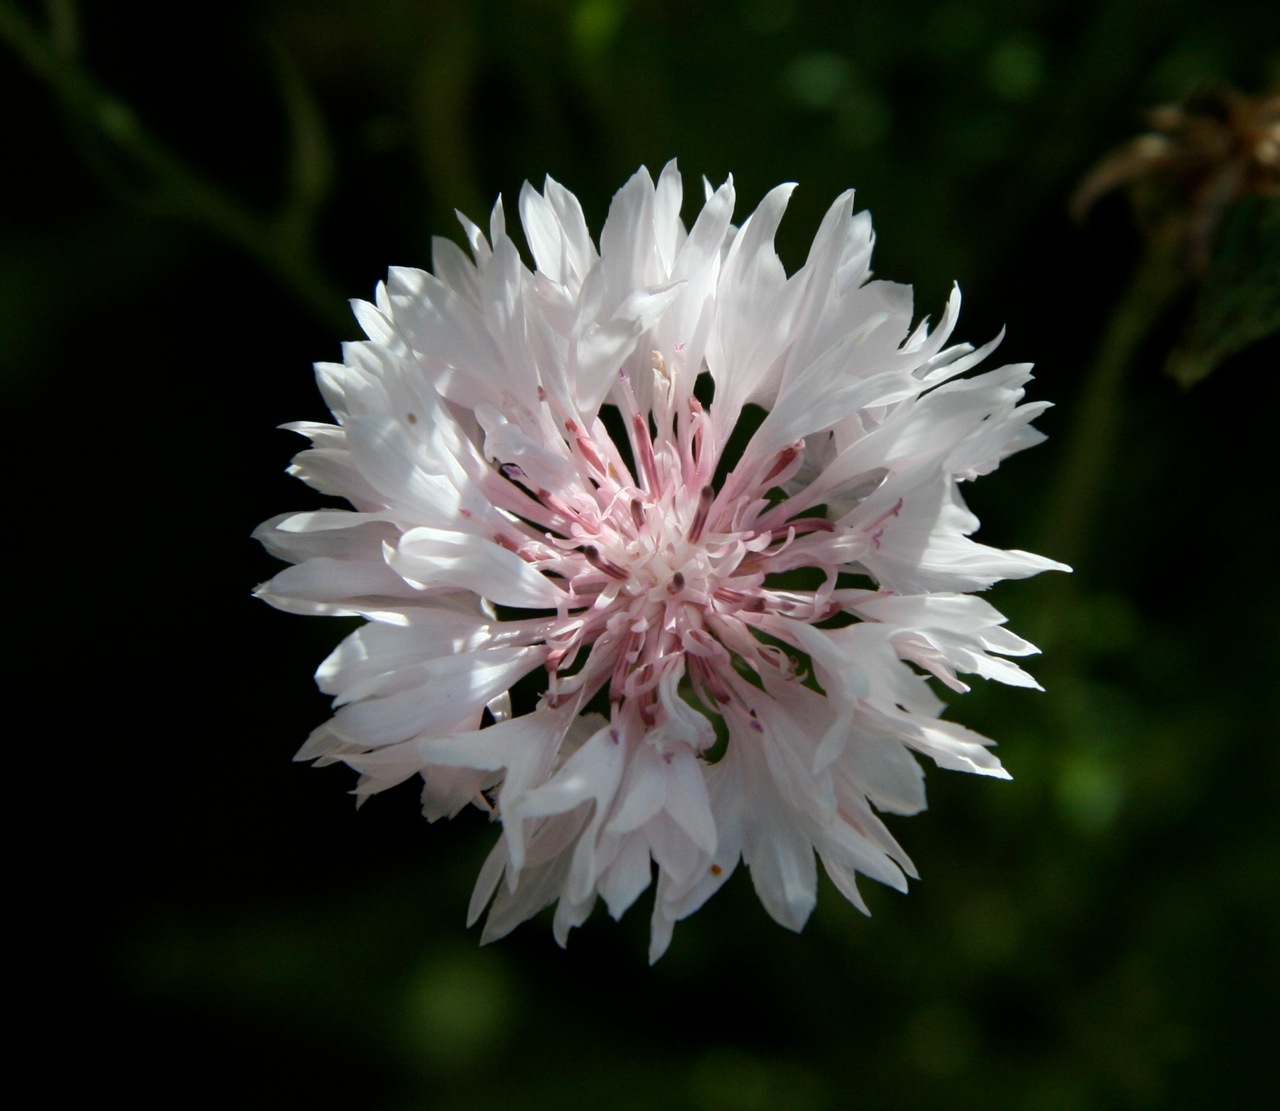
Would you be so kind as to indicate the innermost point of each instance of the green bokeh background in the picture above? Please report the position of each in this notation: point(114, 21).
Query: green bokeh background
point(1099, 933)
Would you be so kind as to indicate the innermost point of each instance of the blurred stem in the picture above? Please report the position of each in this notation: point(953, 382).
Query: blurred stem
point(277, 243)
point(1076, 495)
point(64, 26)
point(444, 79)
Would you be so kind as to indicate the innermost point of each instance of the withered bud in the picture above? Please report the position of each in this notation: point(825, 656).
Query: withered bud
point(1201, 155)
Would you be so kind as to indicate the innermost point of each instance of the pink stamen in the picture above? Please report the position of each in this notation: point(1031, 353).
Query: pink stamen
point(551, 501)
point(705, 497)
point(588, 450)
point(785, 458)
point(892, 512)
point(644, 449)
point(602, 563)
point(802, 525)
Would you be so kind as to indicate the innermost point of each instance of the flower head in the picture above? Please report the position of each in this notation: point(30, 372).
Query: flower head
point(1200, 156)
point(730, 641)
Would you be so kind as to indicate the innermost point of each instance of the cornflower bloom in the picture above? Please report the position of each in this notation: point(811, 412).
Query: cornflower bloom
point(730, 637)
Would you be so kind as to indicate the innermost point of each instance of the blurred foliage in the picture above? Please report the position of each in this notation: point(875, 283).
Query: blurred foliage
point(1238, 303)
point(1100, 933)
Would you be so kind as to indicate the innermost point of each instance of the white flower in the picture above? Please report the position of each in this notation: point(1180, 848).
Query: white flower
point(731, 641)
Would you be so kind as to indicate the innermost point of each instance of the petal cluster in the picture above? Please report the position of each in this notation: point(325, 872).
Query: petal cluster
point(708, 511)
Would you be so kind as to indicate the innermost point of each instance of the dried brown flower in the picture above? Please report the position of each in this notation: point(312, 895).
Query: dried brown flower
point(1216, 147)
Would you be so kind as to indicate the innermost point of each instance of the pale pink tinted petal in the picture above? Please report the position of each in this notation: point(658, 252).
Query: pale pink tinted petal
point(436, 558)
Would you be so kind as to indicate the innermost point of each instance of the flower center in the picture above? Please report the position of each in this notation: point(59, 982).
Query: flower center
point(666, 577)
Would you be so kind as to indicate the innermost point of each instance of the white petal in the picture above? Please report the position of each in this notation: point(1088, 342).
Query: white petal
point(436, 558)
point(450, 694)
point(955, 747)
point(629, 874)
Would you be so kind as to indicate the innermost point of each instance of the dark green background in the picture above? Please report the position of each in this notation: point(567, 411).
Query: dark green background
point(1099, 933)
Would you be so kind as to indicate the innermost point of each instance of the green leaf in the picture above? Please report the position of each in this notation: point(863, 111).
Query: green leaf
point(1239, 301)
